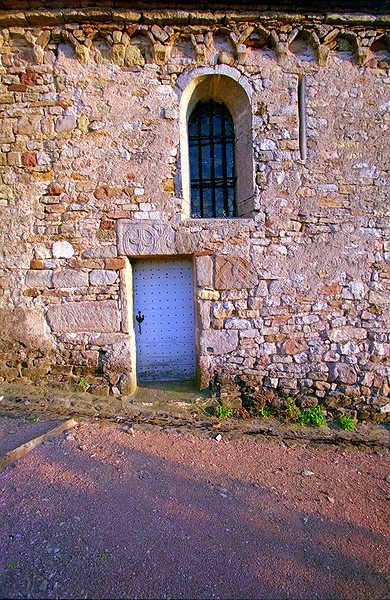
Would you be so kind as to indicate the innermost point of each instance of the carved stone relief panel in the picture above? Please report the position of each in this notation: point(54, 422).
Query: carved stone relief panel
point(234, 273)
point(145, 238)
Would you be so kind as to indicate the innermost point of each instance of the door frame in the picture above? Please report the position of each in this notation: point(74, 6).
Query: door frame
point(168, 259)
point(126, 296)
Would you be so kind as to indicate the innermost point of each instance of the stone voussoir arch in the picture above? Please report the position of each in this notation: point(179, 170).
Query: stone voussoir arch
point(229, 86)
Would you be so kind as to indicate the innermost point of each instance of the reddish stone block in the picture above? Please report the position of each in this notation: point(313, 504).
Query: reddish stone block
point(120, 214)
point(114, 264)
point(31, 293)
point(55, 188)
point(37, 263)
point(8, 60)
point(333, 289)
point(29, 79)
point(17, 87)
point(294, 346)
point(29, 159)
point(107, 225)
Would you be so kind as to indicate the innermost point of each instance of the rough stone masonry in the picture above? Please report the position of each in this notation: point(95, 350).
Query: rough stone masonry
point(293, 294)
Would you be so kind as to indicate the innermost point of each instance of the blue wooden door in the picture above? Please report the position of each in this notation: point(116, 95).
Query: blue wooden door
point(163, 296)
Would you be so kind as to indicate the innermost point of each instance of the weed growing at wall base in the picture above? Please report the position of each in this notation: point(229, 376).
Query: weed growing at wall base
point(346, 423)
point(84, 385)
point(225, 413)
point(313, 416)
point(290, 411)
point(265, 412)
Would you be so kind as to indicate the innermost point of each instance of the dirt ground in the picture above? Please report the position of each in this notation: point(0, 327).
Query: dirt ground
point(114, 510)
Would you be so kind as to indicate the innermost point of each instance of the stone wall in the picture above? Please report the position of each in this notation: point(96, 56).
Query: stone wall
point(294, 295)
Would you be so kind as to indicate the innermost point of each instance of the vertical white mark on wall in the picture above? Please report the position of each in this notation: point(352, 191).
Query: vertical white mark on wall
point(302, 117)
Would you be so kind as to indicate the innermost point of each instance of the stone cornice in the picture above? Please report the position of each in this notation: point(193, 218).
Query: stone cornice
point(45, 18)
point(275, 30)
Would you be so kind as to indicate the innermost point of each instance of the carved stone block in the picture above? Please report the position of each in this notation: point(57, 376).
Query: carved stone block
point(234, 273)
point(145, 238)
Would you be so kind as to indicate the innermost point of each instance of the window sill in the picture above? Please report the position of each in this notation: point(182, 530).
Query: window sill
point(216, 221)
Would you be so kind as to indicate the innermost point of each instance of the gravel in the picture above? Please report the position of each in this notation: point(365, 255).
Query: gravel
point(131, 512)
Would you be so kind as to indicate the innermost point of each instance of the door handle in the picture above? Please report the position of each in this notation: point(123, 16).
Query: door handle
point(139, 319)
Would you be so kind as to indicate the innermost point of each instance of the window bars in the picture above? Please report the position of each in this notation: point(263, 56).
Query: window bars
point(212, 161)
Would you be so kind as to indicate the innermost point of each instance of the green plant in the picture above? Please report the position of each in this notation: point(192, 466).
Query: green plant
point(104, 557)
point(290, 411)
point(313, 416)
point(83, 383)
point(14, 564)
point(36, 419)
point(224, 412)
point(265, 412)
point(346, 423)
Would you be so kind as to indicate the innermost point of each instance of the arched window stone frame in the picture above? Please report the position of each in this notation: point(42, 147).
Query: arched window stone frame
point(224, 85)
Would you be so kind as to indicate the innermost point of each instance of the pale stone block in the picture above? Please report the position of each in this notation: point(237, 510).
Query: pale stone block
point(27, 325)
point(67, 123)
point(218, 342)
point(342, 373)
point(107, 339)
point(208, 295)
point(39, 279)
point(347, 333)
point(269, 348)
point(62, 250)
point(170, 113)
point(237, 324)
point(101, 317)
point(100, 252)
point(357, 289)
point(102, 277)
point(249, 333)
point(204, 314)
point(255, 303)
point(204, 271)
point(118, 359)
point(262, 289)
point(223, 310)
point(349, 348)
point(70, 278)
point(379, 298)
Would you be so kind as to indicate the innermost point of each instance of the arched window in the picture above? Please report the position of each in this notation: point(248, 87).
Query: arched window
point(210, 187)
point(212, 161)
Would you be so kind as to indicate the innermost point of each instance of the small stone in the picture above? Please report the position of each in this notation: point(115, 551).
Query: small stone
point(218, 437)
point(62, 250)
point(66, 124)
point(307, 473)
point(102, 277)
point(69, 438)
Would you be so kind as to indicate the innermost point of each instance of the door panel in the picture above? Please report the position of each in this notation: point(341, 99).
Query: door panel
point(163, 292)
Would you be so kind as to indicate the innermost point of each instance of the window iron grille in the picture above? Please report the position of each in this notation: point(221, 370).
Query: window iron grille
point(212, 161)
